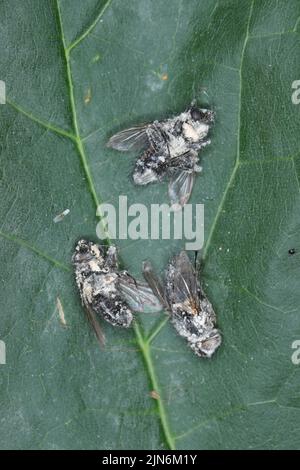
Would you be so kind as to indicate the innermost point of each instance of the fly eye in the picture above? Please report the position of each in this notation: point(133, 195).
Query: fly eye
point(196, 114)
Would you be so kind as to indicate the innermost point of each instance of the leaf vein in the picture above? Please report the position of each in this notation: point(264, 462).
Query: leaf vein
point(37, 251)
point(36, 119)
point(90, 28)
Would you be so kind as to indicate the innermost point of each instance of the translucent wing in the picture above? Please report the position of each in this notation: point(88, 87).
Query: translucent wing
point(95, 324)
point(138, 295)
point(180, 188)
point(134, 138)
point(182, 281)
point(155, 284)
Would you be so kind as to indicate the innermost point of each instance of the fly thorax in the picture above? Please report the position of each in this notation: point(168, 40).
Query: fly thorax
point(177, 146)
point(94, 266)
point(194, 131)
point(105, 284)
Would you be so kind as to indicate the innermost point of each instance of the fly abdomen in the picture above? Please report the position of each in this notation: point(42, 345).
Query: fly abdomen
point(113, 309)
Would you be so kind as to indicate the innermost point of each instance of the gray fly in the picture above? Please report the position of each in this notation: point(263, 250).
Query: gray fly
point(190, 311)
point(170, 150)
point(107, 292)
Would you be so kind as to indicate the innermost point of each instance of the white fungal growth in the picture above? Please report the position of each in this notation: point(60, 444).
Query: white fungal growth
point(61, 216)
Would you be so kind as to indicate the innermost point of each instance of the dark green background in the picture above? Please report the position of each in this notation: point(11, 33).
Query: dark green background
point(58, 390)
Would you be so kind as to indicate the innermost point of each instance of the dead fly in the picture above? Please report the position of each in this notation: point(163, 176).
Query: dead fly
point(105, 290)
point(170, 150)
point(190, 312)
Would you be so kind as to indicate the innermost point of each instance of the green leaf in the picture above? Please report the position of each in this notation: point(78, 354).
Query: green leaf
point(76, 72)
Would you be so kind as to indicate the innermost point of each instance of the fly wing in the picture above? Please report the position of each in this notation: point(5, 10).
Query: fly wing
point(155, 284)
point(182, 281)
point(138, 295)
point(134, 138)
point(180, 188)
point(95, 325)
